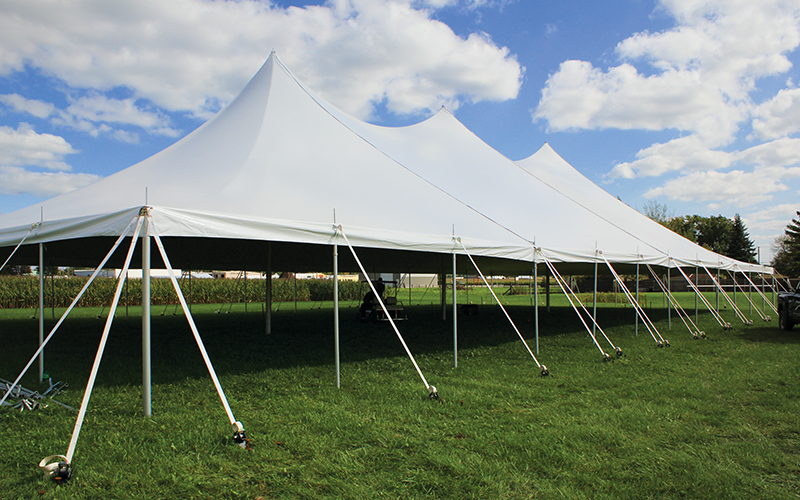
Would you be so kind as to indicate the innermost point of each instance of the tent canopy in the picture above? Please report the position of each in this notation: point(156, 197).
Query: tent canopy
point(263, 183)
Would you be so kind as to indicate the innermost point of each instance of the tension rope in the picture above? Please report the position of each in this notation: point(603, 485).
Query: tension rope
point(738, 287)
point(648, 323)
point(33, 226)
point(71, 306)
point(239, 435)
point(758, 290)
point(542, 367)
point(724, 324)
point(570, 295)
point(696, 333)
point(736, 310)
point(432, 391)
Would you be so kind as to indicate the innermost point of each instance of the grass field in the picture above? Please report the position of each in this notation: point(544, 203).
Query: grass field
point(704, 419)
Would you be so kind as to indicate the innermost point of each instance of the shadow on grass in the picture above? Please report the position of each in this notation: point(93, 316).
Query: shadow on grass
point(237, 343)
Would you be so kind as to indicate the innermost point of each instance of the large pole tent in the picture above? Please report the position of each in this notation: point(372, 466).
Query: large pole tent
point(281, 179)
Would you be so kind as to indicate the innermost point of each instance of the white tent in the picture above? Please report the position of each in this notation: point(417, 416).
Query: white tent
point(262, 184)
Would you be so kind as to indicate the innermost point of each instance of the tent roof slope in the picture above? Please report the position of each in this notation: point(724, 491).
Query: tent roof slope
point(546, 166)
point(274, 165)
point(281, 164)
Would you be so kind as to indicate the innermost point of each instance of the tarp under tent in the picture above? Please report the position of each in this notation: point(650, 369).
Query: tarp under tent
point(263, 182)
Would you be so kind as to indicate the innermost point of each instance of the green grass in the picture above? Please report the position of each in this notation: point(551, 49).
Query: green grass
point(714, 418)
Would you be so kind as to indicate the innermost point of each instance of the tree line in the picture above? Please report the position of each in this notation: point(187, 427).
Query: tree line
point(730, 237)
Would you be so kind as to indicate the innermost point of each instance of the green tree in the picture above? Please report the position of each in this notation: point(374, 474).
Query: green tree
point(713, 232)
point(16, 270)
point(787, 250)
point(740, 246)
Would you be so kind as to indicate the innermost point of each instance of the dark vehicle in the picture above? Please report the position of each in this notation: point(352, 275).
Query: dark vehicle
point(789, 309)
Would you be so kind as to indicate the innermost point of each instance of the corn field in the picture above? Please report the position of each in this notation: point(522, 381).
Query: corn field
point(23, 291)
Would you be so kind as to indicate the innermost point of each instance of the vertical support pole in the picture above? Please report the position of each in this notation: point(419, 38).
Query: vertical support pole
point(594, 296)
point(146, 362)
point(716, 289)
point(669, 302)
point(245, 291)
point(336, 314)
point(536, 299)
point(268, 297)
point(749, 292)
point(41, 311)
point(697, 286)
point(190, 291)
point(455, 317)
point(127, 297)
point(638, 304)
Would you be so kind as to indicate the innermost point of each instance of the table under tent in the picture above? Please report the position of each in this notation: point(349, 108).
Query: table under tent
point(280, 179)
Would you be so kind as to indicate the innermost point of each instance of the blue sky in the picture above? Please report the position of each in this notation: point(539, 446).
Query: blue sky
point(692, 104)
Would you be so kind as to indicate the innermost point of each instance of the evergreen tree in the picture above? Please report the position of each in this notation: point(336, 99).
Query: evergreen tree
point(739, 245)
point(787, 258)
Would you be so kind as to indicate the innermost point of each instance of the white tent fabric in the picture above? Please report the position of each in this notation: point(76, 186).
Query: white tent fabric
point(279, 164)
point(550, 169)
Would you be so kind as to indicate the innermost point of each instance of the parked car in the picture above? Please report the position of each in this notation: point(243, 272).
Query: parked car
point(789, 309)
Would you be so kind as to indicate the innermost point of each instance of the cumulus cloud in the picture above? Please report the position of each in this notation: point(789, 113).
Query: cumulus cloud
point(24, 147)
point(685, 153)
point(194, 55)
point(35, 107)
point(703, 71)
point(779, 116)
point(17, 181)
point(736, 187)
point(93, 114)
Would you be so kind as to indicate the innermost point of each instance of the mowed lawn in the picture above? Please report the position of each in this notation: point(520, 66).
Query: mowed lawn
point(703, 419)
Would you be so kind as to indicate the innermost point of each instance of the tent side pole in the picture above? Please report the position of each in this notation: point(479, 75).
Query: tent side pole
point(41, 311)
point(535, 300)
point(146, 362)
point(268, 295)
point(594, 297)
point(697, 286)
point(636, 314)
point(455, 317)
point(669, 304)
point(245, 292)
point(336, 314)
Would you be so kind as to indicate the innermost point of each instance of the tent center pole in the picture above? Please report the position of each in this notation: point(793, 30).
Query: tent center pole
point(146, 362)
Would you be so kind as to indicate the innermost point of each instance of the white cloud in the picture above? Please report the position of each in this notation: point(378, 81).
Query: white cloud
point(17, 181)
point(685, 153)
point(736, 188)
point(705, 69)
point(37, 108)
point(779, 116)
point(192, 55)
point(24, 147)
point(94, 113)
point(783, 152)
